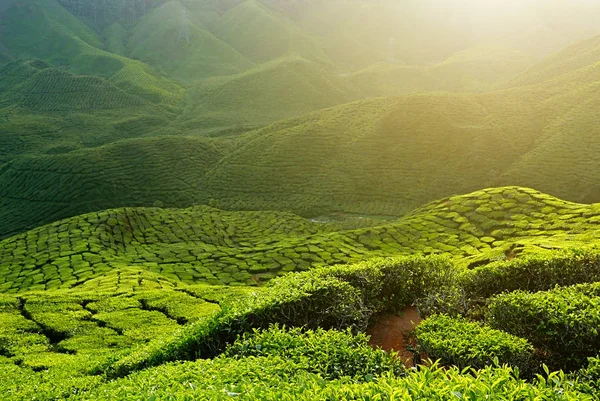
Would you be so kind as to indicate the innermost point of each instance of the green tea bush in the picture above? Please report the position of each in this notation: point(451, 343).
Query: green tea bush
point(333, 354)
point(18, 383)
point(393, 283)
point(273, 378)
point(330, 298)
point(588, 378)
point(457, 341)
point(565, 322)
point(297, 300)
point(533, 273)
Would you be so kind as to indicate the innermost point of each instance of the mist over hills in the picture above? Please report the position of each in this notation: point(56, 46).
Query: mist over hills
point(389, 144)
point(379, 156)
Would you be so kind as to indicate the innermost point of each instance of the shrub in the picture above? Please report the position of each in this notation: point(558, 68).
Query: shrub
point(564, 321)
point(533, 273)
point(330, 298)
point(393, 283)
point(273, 378)
point(588, 378)
point(333, 354)
point(456, 341)
point(299, 300)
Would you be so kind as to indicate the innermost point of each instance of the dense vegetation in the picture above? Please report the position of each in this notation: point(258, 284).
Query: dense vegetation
point(217, 199)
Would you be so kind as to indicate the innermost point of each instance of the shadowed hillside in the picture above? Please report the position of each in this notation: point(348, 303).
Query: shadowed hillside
point(280, 89)
point(44, 30)
point(144, 172)
point(172, 40)
point(382, 156)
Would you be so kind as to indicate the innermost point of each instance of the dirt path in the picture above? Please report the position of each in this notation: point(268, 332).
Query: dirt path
point(389, 333)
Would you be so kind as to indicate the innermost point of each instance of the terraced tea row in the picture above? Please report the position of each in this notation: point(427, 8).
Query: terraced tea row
point(55, 90)
point(61, 340)
point(155, 171)
point(203, 244)
point(75, 331)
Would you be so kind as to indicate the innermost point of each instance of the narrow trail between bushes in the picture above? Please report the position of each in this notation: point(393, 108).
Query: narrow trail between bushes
point(389, 333)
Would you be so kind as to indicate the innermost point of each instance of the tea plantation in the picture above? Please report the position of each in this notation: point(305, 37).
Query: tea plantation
point(111, 305)
point(203, 244)
point(299, 200)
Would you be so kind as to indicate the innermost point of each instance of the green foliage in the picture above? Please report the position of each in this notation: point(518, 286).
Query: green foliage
point(338, 298)
point(43, 29)
point(283, 88)
point(179, 305)
point(332, 354)
point(536, 272)
point(297, 301)
point(457, 341)
point(54, 340)
point(589, 377)
point(142, 171)
point(57, 90)
point(206, 245)
point(99, 135)
point(157, 39)
point(273, 378)
point(262, 35)
point(564, 322)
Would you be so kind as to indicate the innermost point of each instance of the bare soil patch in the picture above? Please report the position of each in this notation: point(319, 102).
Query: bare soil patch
point(390, 333)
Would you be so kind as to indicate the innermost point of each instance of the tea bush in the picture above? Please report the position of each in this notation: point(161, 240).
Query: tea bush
point(565, 321)
point(332, 354)
point(457, 341)
point(339, 297)
point(589, 377)
point(273, 378)
point(533, 273)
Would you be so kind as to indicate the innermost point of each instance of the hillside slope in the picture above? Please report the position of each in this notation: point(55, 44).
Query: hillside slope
point(382, 156)
point(261, 34)
point(45, 110)
point(57, 90)
point(577, 57)
point(44, 30)
point(566, 150)
point(476, 69)
point(144, 172)
point(280, 89)
point(171, 39)
point(203, 244)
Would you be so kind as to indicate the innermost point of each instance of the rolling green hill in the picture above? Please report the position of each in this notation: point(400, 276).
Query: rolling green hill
point(217, 199)
point(141, 172)
point(280, 89)
point(44, 29)
point(356, 34)
point(203, 244)
point(160, 40)
point(580, 56)
point(45, 110)
point(476, 69)
point(56, 90)
point(382, 156)
point(566, 148)
point(481, 67)
point(261, 34)
point(117, 291)
point(68, 42)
